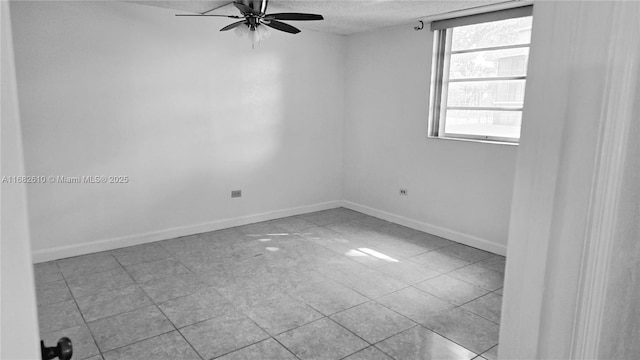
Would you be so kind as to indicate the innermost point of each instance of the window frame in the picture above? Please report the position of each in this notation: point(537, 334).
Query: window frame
point(442, 40)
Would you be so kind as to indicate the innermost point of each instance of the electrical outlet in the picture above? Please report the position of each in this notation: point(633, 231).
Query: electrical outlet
point(236, 193)
point(403, 192)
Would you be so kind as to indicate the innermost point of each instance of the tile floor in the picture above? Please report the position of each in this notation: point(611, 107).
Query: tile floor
point(334, 284)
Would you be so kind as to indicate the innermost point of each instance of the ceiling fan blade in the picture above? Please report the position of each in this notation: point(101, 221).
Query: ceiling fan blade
point(245, 9)
point(293, 17)
point(217, 7)
point(282, 26)
point(227, 16)
point(233, 26)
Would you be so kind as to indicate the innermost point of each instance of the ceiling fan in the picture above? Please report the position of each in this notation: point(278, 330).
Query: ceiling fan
point(254, 16)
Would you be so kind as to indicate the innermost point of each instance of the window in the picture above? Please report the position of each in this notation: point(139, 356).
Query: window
point(479, 74)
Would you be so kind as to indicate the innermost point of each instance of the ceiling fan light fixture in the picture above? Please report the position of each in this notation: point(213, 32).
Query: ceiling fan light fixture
point(255, 34)
point(264, 32)
point(241, 31)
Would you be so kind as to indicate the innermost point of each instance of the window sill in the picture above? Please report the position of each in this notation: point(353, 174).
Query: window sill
point(493, 142)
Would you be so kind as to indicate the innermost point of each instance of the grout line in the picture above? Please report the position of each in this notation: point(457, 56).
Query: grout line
point(85, 323)
point(286, 348)
point(353, 333)
point(138, 341)
point(453, 341)
point(165, 315)
point(175, 328)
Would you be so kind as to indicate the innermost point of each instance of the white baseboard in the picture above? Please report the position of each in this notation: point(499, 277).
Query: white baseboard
point(449, 234)
point(171, 233)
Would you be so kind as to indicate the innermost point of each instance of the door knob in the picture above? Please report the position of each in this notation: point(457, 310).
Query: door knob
point(63, 351)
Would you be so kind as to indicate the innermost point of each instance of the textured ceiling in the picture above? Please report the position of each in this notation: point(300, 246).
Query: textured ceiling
point(341, 16)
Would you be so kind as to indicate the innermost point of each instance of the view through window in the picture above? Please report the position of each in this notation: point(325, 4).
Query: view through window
point(480, 70)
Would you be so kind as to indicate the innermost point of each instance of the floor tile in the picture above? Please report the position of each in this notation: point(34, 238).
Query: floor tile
point(392, 247)
point(370, 353)
point(328, 217)
point(240, 279)
point(224, 236)
point(167, 288)
point(88, 264)
point(372, 322)
point(414, 304)
point(113, 302)
point(184, 244)
point(313, 257)
point(319, 233)
point(419, 343)
point(222, 335)
point(293, 223)
point(496, 263)
point(84, 285)
point(140, 254)
point(46, 272)
point(126, 328)
point(322, 218)
point(169, 346)
point(480, 276)
point(278, 313)
point(83, 344)
point(465, 252)
point(407, 272)
point(228, 290)
point(261, 229)
point(370, 222)
point(430, 242)
point(328, 238)
point(265, 350)
point(439, 261)
point(202, 305)
point(52, 292)
point(349, 214)
point(400, 231)
point(275, 242)
point(488, 306)
point(368, 282)
point(156, 270)
point(321, 340)
point(465, 328)
point(451, 289)
point(57, 316)
point(350, 229)
point(328, 296)
point(368, 255)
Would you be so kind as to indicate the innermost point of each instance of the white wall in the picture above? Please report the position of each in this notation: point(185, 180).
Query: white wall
point(19, 325)
point(186, 112)
point(459, 190)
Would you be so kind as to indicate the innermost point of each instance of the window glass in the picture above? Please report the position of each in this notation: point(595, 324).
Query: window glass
point(508, 93)
point(499, 124)
point(492, 34)
point(493, 63)
point(479, 76)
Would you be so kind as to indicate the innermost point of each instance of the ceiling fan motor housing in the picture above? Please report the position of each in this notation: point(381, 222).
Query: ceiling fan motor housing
point(259, 6)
